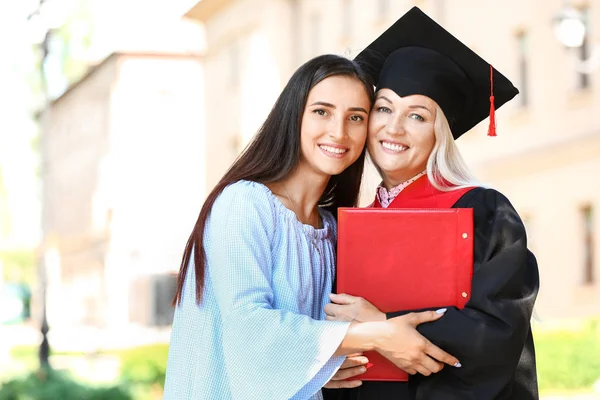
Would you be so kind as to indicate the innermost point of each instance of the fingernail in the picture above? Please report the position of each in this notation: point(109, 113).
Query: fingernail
point(362, 369)
point(457, 365)
point(440, 311)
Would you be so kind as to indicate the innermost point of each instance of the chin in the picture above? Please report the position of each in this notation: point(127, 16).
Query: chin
point(333, 170)
point(385, 162)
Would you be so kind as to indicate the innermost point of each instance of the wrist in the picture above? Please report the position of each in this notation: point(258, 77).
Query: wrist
point(372, 334)
point(380, 331)
point(364, 335)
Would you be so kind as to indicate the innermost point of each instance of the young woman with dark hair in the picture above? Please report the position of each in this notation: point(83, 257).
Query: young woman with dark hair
point(259, 264)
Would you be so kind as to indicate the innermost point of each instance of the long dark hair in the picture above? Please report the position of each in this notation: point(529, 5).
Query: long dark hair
point(275, 152)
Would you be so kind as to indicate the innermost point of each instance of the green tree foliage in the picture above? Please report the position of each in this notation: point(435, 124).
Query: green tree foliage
point(19, 266)
point(53, 385)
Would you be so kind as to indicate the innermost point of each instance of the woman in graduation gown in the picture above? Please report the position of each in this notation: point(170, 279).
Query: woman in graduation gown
point(431, 89)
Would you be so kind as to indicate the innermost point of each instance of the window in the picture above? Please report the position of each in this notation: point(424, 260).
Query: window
point(584, 54)
point(588, 244)
point(383, 8)
point(234, 65)
point(583, 80)
point(315, 33)
point(523, 69)
point(163, 288)
point(440, 11)
point(528, 223)
point(347, 19)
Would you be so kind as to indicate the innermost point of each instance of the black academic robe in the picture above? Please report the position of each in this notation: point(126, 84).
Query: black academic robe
point(491, 336)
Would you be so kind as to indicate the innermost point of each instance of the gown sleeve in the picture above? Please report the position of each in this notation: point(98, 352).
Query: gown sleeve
point(269, 353)
point(489, 335)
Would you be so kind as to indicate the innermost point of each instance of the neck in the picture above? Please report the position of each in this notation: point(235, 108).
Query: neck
point(390, 181)
point(304, 191)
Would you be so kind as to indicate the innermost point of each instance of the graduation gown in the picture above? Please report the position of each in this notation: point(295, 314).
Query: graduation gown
point(491, 336)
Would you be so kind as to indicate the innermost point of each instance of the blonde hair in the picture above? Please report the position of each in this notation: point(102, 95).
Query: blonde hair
point(446, 169)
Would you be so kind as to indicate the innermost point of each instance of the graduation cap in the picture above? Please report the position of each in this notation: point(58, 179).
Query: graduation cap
point(418, 56)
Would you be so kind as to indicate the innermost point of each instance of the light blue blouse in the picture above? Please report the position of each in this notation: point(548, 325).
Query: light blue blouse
point(259, 332)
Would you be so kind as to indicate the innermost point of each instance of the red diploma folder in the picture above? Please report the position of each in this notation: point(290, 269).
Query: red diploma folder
point(404, 259)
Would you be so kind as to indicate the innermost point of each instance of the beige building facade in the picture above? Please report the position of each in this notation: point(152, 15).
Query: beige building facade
point(123, 180)
point(546, 157)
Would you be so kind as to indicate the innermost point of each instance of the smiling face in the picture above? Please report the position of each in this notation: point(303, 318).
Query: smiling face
point(401, 135)
point(334, 125)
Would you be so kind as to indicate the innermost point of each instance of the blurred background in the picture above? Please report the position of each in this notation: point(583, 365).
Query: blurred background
point(117, 117)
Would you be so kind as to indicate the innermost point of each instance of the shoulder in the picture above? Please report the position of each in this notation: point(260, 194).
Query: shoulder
point(245, 201)
point(482, 197)
point(244, 192)
point(491, 207)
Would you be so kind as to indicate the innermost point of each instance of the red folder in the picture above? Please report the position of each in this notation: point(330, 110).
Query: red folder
point(404, 259)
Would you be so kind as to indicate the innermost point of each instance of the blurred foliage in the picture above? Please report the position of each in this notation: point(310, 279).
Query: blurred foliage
point(19, 266)
point(67, 60)
point(15, 303)
point(568, 359)
point(142, 369)
point(53, 385)
point(145, 364)
point(5, 218)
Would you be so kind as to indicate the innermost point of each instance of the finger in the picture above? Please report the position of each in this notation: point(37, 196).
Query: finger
point(328, 309)
point(342, 298)
point(354, 361)
point(422, 370)
point(433, 366)
point(333, 309)
point(346, 373)
point(410, 371)
point(354, 355)
point(329, 318)
point(342, 384)
point(425, 316)
point(440, 355)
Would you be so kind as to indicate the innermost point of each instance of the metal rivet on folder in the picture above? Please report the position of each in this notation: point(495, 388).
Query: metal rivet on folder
point(464, 294)
point(465, 236)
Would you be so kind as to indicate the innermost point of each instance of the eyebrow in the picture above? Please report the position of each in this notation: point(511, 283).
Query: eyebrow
point(323, 103)
point(412, 106)
point(420, 106)
point(384, 98)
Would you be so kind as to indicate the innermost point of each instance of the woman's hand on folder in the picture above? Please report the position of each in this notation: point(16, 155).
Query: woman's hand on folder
point(354, 364)
point(402, 344)
point(347, 308)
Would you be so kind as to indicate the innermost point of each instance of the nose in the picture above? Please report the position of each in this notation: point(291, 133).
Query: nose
point(395, 125)
point(337, 129)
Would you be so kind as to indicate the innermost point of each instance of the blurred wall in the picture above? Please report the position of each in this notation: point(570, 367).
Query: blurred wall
point(123, 177)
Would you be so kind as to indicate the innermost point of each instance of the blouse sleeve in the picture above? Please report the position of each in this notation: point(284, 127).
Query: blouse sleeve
point(269, 353)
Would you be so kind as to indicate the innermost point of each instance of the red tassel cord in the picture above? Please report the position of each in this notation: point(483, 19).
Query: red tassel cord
point(492, 128)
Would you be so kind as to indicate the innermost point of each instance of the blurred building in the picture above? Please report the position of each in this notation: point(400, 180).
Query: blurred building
point(123, 180)
point(545, 159)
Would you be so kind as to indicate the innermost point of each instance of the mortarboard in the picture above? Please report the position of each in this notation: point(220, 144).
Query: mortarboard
point(417, 56)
